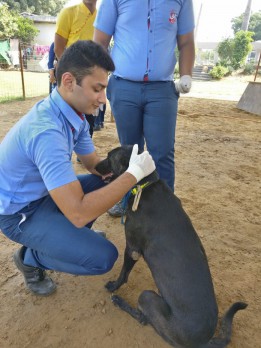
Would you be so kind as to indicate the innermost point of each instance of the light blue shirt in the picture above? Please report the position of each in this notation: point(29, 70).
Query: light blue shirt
point(145, 35)
point(35, 155)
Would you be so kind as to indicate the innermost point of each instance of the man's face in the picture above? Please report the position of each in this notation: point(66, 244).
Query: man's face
point(87, 97)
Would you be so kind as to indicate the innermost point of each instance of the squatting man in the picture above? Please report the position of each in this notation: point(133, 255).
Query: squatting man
point(44, 205)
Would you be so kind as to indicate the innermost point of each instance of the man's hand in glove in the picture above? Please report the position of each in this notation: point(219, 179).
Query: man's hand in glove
point(184, 84)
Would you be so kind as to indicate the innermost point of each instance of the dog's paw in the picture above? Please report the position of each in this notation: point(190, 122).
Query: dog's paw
point(111, 286)
point(142, 319)
point(116, 300)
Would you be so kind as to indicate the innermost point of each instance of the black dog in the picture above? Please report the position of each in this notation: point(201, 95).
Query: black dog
point(184, 312)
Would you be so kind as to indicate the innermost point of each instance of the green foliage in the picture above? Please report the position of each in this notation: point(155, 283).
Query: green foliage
point(242, 47)
point(40, 7)
point(8, 26)
point(230, 70)
point(225, 51)
point(249, 69)
point(218, 72)
point(13, 25)
point(176, 72)
point(254, 24)
point(233, 52)
point(26, 31)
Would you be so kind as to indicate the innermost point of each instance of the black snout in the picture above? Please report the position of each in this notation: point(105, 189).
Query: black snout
point(116, 163)
point(103, 167)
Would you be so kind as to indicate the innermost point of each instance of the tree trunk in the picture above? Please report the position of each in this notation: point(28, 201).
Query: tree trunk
point(247, 15)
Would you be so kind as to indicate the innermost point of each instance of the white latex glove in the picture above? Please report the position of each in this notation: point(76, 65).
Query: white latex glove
point(140, 165)
point(184, 84)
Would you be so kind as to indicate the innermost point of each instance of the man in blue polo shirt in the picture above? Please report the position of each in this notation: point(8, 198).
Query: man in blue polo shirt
point(141, 91)
point(43, 205)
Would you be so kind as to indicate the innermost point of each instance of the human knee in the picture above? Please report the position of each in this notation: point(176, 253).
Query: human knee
point(103, 262)
point(109, 258)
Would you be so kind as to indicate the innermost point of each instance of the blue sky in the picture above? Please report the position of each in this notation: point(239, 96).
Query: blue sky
point(216, 15)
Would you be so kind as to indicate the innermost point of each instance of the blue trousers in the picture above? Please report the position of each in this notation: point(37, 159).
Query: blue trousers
point(53, 242)
point(98, 120)
point(147, 112)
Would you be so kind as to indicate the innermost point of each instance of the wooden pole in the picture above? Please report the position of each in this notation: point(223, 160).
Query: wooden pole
point(257, 67)
point(21, 69)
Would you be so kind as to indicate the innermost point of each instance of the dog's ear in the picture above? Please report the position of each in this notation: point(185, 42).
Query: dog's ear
point(119, 159)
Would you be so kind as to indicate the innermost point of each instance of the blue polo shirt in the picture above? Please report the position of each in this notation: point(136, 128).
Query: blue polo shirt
point(35, 155)
point(145, 35)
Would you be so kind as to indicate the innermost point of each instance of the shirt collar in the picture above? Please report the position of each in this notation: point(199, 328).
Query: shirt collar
point(86, 10)
point(67, 111)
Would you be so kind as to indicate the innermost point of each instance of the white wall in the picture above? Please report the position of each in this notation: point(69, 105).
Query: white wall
point(46, 35)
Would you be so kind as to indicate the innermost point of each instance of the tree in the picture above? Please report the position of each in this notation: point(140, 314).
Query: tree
point(40, 7)
point(242, 47)
point(233, 52)
point(26, 30)
point(13, 25)
point(225, 51)
point(254, 24)
point(8, 25)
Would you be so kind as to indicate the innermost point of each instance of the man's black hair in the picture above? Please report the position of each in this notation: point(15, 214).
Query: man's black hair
point(80, 58)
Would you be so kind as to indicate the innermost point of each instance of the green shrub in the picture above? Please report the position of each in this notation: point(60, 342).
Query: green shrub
point(218, 72)
point(249, 69)
point(230, 70)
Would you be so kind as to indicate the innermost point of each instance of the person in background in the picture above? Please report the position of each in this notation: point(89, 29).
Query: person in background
point(141, 91)
point(44, 206)
point(99, 120)
point(51, 68)
point(75, 23)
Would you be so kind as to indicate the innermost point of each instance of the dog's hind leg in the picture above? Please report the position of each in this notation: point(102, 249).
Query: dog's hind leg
point(135, 313)
point(158, 314)
point(127, 266)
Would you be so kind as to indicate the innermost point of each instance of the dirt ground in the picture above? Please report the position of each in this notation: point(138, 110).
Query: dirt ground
point(218, 180)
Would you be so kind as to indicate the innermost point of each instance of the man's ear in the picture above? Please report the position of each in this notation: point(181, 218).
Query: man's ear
point(68, 81)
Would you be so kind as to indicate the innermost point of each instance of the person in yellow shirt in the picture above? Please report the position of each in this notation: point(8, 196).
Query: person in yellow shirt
point(74, 23)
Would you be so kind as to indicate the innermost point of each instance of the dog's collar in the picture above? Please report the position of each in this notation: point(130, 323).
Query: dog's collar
point(145, 182)
point(137, 191)
point(134, 191)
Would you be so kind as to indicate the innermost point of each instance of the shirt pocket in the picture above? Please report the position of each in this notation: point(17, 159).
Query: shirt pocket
point(167, 14)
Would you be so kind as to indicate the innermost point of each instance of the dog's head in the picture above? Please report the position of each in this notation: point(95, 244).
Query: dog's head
point(116, 163)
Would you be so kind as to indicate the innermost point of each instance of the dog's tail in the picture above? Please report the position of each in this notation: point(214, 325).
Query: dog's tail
point(224, 336)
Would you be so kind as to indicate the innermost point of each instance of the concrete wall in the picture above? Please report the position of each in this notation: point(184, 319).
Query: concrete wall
point(46, 35)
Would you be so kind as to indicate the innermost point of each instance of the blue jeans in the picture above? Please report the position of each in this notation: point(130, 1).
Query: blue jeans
point(147, 112)
point(100, 118)
point(53, 242)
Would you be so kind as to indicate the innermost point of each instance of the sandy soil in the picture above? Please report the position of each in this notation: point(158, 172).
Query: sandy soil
point(218, 180)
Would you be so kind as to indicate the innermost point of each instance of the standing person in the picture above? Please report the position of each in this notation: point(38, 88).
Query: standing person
point(141, 91)
point(99, 120)
point(43, 204)
point(75, 23)
point(51, 68)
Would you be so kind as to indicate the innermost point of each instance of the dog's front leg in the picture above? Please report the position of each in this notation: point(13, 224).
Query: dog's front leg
point(130, 258)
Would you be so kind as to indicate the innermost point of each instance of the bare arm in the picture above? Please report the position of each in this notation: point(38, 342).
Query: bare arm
point(102, 38)
point(59, 45)
point(90, 161)
point(82, 208)
point(186, 48)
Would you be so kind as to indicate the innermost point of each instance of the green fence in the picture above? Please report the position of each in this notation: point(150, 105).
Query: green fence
point(35, 84)
point(24, 76)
